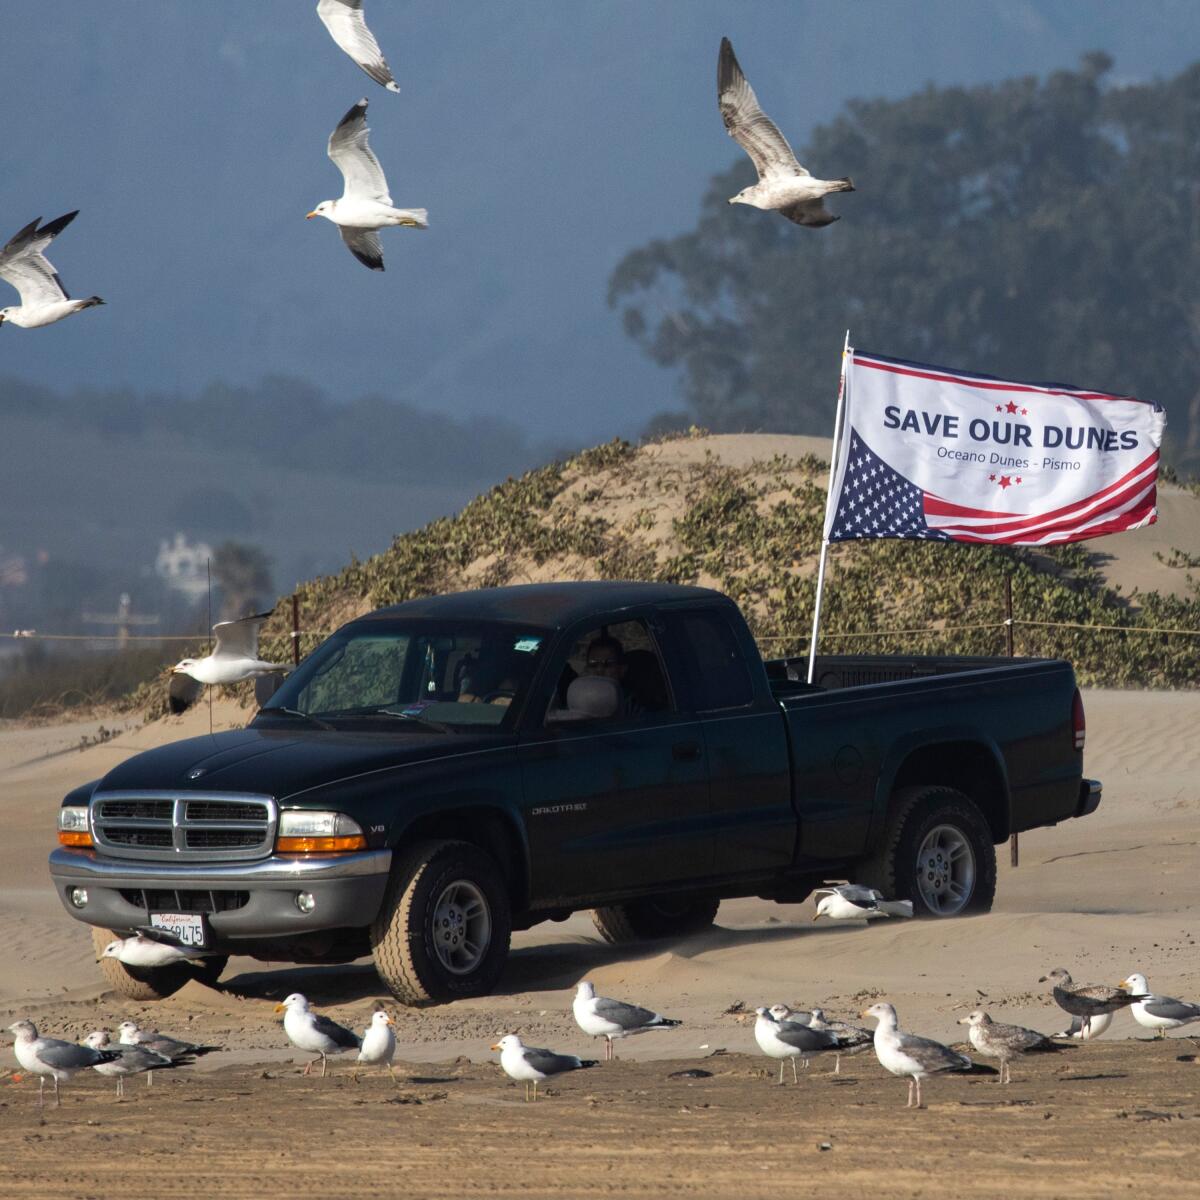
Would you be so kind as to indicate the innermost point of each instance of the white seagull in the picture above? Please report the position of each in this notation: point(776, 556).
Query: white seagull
point(1086, 1031)
point(44, 300)
point(141, 950)
point(378, 1044)
point(159, 1043)
point(366, 206)
point(602, 1017)
point(347, 26)
point(917, 1057)
point(43, 1056)
point(129, 1060)
point(783, 186)
point(854, 902)
point(784, 1039)
point(233, 659)
point(1159, 1013)
point(529, 1064)
point(313, 1032)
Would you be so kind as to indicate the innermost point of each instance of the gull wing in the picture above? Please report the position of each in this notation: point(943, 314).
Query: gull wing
point(339, 1034)
point(353, 156)
point(812, 213)
point(67, 1056)
point(804, 1039)
point(23, 264)
point(1170, 1009)
point(347, 26)
point(856, 893)
point(746, 122)
point(932, 1056)
point(182, 692)
point(239, 639)
point(364, 244)
point(628, 1016)
point(549, 1063)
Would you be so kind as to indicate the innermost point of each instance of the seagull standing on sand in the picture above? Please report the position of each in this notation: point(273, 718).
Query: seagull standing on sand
point(129, 1060)
point(313, 1032)
point(366, 206)
point(601, 1017)
point(1086, 1000)
point(378, 1044)
point(43, 1056)
point(234, 658)
point(917, 1057)
point(348, 27)
point(528, 1064)
point(852, 1039)
point(854, 902)
point(783, 186)
point(142, 950)
point(1005, 1042)
point(1086, 1033)
point(44, 300)
point(784, 1039)
point(1159, 1013)
point(184, 1053)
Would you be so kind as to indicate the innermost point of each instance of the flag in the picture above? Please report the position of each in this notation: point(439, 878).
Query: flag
point(934, 454)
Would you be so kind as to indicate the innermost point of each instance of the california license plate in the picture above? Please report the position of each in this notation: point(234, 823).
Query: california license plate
point(187, 927)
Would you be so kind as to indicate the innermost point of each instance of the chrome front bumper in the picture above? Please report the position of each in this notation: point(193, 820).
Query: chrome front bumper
point(347, 888)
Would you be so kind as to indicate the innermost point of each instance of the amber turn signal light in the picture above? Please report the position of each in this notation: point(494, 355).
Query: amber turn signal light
point(319, 845)
point(71, 837)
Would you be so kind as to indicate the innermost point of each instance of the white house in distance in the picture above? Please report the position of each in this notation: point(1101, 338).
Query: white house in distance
point(183, 565)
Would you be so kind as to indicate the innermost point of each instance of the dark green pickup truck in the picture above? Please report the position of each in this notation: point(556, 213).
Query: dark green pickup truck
point(442, 772)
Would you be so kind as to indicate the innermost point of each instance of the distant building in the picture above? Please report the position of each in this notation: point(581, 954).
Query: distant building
point(183, 566)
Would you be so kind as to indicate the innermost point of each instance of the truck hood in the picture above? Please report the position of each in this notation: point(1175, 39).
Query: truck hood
point(279, 763)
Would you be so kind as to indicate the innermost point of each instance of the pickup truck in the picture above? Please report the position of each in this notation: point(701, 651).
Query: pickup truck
point(441, 772)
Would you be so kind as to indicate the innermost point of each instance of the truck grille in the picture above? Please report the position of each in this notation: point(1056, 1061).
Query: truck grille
point(185, 900)
point(182, 826)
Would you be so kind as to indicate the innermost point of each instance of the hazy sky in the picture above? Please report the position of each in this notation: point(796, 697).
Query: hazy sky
point(546, 138)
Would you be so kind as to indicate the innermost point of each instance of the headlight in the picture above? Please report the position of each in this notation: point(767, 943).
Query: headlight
point(317, 832)
point(73, 827)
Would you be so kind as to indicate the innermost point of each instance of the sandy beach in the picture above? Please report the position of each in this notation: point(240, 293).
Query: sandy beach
point(1117, 892)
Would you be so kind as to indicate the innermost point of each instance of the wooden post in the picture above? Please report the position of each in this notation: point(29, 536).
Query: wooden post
point(1014, 845)
point(295, 629)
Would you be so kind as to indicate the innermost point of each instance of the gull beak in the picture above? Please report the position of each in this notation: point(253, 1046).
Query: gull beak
point(964, 1020)
point(496, 1047)
point(1042, 979)
point(389, 1021)
point(864, 1014)
point(281, 1008)
point(816, 915)
point(309, 216)
point(1124, 985)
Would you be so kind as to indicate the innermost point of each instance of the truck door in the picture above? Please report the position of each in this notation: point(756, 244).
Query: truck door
point(750, 781)
point(615, 802)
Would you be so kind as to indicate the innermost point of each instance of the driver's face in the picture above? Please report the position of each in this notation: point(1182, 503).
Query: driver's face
point(604, 661)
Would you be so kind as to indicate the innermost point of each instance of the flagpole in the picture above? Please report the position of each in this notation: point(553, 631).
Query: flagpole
point(833, 467)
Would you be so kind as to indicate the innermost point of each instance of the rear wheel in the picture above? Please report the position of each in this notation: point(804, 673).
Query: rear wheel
point(661, 917)
point(937, 852)
point(444, 927)
point(152, 983)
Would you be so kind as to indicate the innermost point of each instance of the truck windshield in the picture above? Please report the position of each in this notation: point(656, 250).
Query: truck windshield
point(422, 674)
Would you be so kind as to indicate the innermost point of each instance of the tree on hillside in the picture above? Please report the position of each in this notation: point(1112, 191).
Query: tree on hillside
point(243, 574)
point(1038, 229)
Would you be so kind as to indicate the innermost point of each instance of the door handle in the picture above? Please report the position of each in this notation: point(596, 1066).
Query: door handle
point(685, 751)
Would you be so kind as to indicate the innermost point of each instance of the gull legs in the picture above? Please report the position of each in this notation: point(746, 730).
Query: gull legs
point(535, 1083)
point(914, 1080)
point(324, 1064)
point(795, 1077)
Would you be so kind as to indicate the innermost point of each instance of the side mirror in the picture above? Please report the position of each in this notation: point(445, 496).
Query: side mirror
point(265, 686)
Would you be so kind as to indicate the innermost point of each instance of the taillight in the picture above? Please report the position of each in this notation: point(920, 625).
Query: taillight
point(1078, 724)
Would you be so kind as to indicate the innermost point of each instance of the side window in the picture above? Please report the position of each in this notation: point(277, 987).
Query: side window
point(720, 676)
point(613, 671)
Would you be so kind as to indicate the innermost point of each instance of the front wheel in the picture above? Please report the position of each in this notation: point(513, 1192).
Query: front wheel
point(664, 916)
point(937, 852)
point(444, 927)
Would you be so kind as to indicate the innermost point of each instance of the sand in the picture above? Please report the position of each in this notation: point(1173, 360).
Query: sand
point(1116, 892)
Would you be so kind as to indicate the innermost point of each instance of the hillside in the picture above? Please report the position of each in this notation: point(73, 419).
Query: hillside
point(743, 513)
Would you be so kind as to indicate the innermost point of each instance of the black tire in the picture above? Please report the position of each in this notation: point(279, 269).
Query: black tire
point(661, 917)
point(404, 937)
point(916, 813)
point(138, 983)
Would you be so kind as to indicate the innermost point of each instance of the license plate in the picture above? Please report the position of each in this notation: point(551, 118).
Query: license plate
point(187, 927)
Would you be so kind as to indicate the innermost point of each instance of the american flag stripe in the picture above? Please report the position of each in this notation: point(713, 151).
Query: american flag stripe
point(985, 382)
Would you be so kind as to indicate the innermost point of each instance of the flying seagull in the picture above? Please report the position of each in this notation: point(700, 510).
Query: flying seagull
point(1159, 1013)
point(44, 300)
point(365, 207)
point(854, 902)
point(234, 658)
point(43, 1056)
point(347, 26)
point(529, 1064)
point(1005, 1042)
point(313, 1032)
point(601, 1017)
point(917, 1057)
point(1086, 1000)
point(783, 186)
